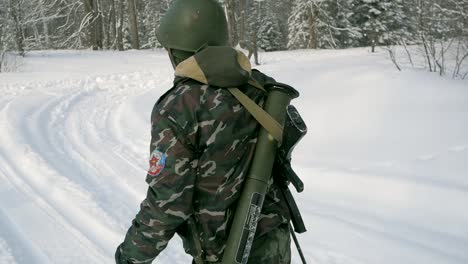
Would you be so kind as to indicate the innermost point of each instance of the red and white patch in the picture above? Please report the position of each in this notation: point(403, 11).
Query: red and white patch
point(157, 162)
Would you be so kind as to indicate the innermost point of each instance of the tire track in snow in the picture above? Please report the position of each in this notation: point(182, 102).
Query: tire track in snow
point(60, 126)
point(65, 173)
point(20, 248)
point(35, 242)
point(48, 184)
point(72, 133)
point(86, 141)
point(67, 134)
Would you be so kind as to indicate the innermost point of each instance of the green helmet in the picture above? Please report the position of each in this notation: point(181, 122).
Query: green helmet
point(189, 25)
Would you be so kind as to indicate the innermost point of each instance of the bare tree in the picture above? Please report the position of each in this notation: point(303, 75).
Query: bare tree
point(461, 57)
point(392, 53)
point(242, 18)
point(408, 53)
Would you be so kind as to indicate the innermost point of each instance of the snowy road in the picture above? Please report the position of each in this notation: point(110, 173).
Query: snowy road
point(385, 162)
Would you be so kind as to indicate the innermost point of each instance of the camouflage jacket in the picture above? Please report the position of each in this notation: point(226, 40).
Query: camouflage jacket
point(201, 148)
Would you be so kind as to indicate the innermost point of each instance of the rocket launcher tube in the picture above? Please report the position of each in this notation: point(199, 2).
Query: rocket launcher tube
point(250, 204)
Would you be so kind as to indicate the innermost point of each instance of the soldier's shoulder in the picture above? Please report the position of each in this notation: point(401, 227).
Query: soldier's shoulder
point(184, 94)
point(261, 77)
point(181, 87)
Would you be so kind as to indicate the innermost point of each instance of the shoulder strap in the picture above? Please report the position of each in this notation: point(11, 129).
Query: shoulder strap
point(265, 119)
point(255, 84)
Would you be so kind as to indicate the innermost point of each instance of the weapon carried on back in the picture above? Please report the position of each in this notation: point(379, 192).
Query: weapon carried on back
point(294, 130)
point(282, 128)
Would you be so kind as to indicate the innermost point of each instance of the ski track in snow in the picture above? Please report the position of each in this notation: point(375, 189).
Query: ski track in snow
point(73, 160)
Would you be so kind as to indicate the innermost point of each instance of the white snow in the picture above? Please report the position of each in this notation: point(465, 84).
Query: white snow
point(385, 161)
point(5, 253)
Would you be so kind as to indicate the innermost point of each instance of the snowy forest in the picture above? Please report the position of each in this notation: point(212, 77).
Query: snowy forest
point(269, 25)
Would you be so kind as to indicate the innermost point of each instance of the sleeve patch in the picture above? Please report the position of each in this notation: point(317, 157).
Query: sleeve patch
point(157, 162)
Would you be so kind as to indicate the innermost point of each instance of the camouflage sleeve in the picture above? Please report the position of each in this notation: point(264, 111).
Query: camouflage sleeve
point(171, 178)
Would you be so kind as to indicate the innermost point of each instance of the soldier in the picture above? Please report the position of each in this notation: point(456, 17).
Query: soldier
point(201, 147)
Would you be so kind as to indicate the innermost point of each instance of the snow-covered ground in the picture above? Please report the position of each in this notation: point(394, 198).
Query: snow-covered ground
point(385, 162)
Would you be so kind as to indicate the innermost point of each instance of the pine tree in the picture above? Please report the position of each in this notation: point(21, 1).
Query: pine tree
point(347, 34)
point(394, 19)
point(253, 15)
point(280, 11)
point(270, 37)
point(302, 26)
point(334, 25)
point(367, 15)
point(381, 21)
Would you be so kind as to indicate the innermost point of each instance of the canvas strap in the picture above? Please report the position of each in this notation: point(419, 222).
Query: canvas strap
point(255, 84)
point(265, 119)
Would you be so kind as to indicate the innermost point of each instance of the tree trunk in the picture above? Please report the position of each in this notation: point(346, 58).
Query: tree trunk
point(113, 25)
point(98, 24)
point(120, 26)
point(426, 51)
point(103, 12)
point(254, 48)
point(403, 42)
point(132, 18)
point(94, 24)
point(107, 28)
point(15, 12)
point(242, 7)
point(372, 39)
point(2, 52)
point(89, 13)
point(45, 26)
point(313, 42)
point(232, 23)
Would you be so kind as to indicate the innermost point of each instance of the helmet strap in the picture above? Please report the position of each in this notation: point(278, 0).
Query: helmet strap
point(178, 56)
point(171, 57)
